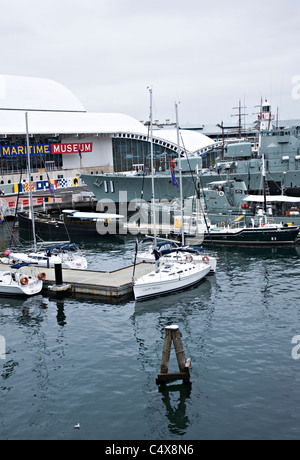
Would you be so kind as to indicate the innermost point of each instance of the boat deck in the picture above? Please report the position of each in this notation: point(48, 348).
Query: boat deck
point(114, 285)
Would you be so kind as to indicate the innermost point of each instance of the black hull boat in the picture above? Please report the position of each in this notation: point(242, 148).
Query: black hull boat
point(267, 235)
point(74, 224)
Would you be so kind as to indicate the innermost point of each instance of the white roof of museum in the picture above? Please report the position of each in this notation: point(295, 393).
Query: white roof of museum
point(53, 109)
point(30, 93)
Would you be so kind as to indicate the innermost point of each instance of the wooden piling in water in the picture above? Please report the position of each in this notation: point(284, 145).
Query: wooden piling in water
point(172, 334)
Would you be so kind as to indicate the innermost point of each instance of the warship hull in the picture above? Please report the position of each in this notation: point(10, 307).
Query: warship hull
point(125, 189)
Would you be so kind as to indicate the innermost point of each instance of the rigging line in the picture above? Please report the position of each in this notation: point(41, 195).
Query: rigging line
point(16, 211)
point(66, 228)
point(197, 188)
point(135, 256)
point(50, 233)
point(139, 227)
point(270, 178)
point(142, 199)
point(143, 183)
point(155, 110)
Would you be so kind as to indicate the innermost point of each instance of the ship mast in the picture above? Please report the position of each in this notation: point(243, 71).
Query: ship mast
point(180, 174)
point(152, 170)
point(240, 115)
point(264, 182)
point(29, 183)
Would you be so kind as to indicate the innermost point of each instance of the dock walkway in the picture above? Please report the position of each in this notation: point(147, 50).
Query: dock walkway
point(114, 285)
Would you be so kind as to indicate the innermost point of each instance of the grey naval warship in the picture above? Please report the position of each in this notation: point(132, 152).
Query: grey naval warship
point(280, 147)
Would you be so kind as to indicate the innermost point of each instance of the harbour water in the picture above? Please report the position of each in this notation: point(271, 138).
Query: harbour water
point(84, 360)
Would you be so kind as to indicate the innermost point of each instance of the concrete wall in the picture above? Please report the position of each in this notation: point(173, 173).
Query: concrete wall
point(101, 155)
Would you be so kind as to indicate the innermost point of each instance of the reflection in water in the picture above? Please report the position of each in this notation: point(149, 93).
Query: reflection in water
point(170, 413)
point(61, 317)
point(175, 397)
point(8, 369)
point(56, 350)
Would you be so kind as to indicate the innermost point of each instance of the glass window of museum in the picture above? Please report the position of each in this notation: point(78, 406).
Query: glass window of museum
point(128, 152)
point(17, 164)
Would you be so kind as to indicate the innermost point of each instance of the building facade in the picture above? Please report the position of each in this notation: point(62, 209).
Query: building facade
point(66, 140)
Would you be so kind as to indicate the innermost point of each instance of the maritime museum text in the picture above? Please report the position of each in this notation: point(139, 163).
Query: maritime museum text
point(45, 149)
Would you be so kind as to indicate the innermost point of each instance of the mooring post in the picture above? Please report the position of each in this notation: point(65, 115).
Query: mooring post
point(59, 285)
point(180, 355)
point(58, 274)
point(167, 349)
point(172, 334)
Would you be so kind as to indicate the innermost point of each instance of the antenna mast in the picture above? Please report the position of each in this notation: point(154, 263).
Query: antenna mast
point(240, 115)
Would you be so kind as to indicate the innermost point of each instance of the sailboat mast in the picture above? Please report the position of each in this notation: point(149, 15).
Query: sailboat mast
point(180, 174)
point(152, 171)
point(264, 182)
point(29, 182)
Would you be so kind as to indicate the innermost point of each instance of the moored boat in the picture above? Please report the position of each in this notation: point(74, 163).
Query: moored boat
point(169, 278)
point(72, 223)
point(21, 280)
point(171, 251)
point(261, 233)
point(68, 255)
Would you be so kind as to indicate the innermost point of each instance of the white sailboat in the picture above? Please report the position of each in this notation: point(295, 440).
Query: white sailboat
point(171, 251)
point(51, 255)
point(67, 255)
point(168, 277)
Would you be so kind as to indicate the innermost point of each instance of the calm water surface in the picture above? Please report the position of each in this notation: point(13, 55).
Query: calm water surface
point(86, 361)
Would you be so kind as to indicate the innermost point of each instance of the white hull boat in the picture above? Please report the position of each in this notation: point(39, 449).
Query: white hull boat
point(17, 282)
point(168, 278)
point(180, 254)
point(51, 256)
point(170, 251)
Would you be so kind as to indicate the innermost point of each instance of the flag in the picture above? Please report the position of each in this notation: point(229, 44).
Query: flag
point(174, 181)
point(1, 218)
point(51, 187)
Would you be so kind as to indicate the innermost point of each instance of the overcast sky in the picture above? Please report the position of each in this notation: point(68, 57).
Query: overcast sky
point(206, 54)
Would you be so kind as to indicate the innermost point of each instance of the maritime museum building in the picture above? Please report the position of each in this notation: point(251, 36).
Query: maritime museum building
point(65, 140)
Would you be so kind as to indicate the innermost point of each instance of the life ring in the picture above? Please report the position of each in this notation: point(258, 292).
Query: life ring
point(206, 260)
point(189, 258)
point(42, 276)
point(24, 280)
point(221, 193)
point(222, 224)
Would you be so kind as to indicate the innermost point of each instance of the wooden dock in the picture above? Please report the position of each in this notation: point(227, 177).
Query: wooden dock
point(115, 285)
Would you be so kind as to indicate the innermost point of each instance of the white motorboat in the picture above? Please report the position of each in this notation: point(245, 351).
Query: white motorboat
point(21, 279)
point(59, 254)
point(170, 277)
